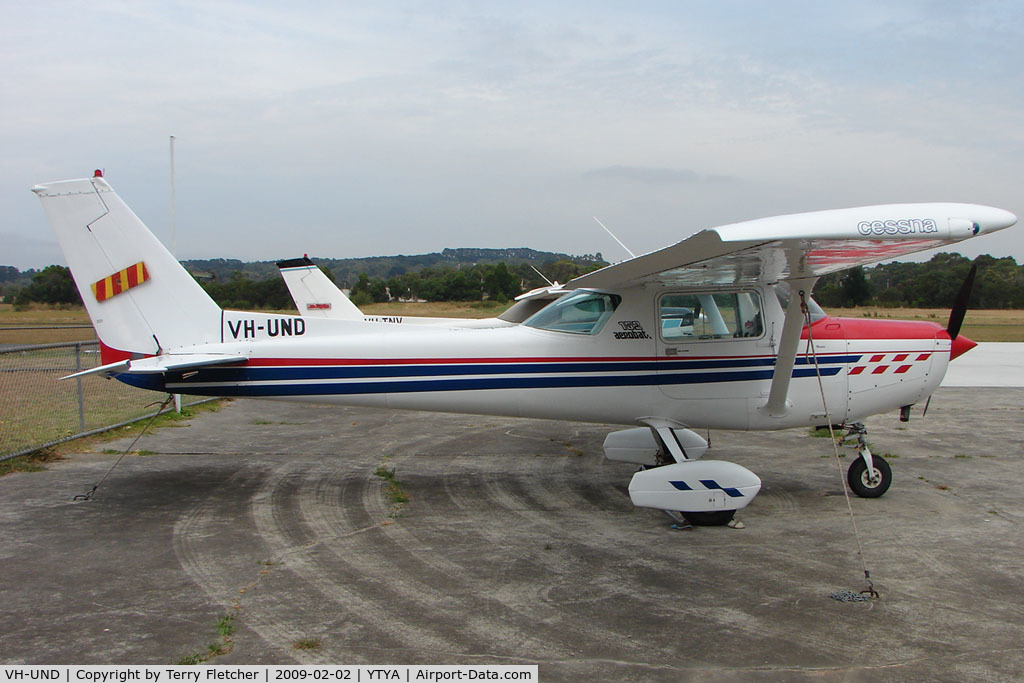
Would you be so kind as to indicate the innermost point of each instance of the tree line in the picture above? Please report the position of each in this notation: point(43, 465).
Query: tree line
point(498, 282)
point(932, 284)
point(999, 283)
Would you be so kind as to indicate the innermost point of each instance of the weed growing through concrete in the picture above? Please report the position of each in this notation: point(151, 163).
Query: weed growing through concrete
point(572, 449)
point(392, 488)
point(137, 451)
point(226, 625)
point(306, 644)
point(225, 628)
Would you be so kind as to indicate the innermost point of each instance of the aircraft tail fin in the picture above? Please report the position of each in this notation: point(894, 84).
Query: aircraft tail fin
point(314, 293)
point(140, 299)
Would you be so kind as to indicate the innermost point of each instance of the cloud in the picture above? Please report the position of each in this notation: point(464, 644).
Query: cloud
point(655, 176)
point(26, 252)
point(366, 126)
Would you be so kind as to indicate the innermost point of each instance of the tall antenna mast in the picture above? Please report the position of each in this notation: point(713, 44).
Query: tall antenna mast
point(174, 216)
point(174, 247)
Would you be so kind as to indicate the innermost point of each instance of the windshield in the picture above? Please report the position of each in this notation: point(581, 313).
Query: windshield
point(579, 313)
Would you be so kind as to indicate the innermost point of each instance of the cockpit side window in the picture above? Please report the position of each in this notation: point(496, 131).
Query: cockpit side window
point(710, 315)
point(580, 313)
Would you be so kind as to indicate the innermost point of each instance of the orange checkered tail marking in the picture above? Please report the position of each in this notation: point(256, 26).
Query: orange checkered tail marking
point(119, 282)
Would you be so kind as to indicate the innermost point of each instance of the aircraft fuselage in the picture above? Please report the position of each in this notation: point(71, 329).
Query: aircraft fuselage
point(638, 361)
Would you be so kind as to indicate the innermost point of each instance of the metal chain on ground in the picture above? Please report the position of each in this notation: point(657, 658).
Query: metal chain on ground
point(835, 445)
point(159, 411)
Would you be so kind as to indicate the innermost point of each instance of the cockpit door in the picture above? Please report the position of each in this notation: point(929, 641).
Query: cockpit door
point(708, 342)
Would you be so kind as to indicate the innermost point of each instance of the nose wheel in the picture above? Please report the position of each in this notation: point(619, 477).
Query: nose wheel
point(869, 484)
point(869, 475)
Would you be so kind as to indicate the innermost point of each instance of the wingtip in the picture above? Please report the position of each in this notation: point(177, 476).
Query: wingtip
point(990, 219)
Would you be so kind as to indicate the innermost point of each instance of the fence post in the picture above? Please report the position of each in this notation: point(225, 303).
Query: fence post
point(81, 394)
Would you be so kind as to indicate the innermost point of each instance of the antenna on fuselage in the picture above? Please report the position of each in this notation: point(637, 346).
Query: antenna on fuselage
point(628, 251)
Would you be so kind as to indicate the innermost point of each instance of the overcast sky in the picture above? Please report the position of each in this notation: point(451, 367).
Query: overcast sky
point(360, 129)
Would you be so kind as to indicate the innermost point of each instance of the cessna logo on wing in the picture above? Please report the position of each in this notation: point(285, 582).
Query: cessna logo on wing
point(903, 226)
point(631, 329)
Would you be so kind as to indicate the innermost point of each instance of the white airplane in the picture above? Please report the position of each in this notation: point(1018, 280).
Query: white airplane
point(746, 349)
point(317, 297)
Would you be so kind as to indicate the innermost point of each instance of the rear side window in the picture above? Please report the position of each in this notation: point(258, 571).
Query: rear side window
point(710, 315)
point(580, 313)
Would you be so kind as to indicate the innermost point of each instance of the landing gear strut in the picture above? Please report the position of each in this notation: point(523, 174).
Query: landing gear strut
point(674, 478)
point(869, 476)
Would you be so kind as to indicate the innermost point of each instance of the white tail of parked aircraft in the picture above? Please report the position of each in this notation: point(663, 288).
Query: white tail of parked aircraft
point(316, 296)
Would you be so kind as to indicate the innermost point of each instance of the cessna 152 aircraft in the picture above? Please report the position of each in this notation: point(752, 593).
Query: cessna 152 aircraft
point(316, 296)
point(716, 331)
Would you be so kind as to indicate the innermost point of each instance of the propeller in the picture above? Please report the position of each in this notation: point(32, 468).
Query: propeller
point(956, 316)
point(956, 321)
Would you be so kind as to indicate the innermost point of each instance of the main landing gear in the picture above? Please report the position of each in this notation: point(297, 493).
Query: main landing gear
point(869, 476)
point(674, 478)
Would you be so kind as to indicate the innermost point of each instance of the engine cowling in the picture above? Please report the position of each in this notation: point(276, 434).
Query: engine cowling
point(695, 486)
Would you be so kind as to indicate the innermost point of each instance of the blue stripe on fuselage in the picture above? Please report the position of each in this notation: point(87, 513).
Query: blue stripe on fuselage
point(292, 380)
point(474, 384)
point(306, 372)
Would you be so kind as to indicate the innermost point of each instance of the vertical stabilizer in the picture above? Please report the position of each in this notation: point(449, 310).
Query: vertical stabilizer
point(313, 292)
point(138, 296)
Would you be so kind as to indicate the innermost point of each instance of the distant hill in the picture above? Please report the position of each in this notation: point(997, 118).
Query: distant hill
point(346, 271)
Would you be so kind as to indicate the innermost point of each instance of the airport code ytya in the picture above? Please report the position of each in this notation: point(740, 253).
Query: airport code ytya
point(263, 674)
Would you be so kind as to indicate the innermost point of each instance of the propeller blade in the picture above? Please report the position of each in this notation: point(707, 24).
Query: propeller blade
point(956, 316)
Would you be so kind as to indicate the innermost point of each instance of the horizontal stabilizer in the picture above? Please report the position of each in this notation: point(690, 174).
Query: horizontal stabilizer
point(161, 364)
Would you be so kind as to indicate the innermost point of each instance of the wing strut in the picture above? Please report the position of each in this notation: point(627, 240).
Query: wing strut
point(777, 405)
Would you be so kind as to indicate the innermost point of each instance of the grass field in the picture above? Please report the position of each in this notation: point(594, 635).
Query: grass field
point(36, 407)
point(13, 324)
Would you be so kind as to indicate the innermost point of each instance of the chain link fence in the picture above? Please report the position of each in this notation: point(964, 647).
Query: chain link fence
point(38, 410)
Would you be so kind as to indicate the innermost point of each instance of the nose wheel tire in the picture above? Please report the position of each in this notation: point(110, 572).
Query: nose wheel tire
point(870, 485)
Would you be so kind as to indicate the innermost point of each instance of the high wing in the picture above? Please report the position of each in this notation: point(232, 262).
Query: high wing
point(800, 246)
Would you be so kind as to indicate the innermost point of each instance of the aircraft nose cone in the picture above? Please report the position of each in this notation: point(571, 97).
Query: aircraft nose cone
point(961, 345)
point(989, 219)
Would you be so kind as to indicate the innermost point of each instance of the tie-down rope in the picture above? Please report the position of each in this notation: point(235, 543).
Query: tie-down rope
point(844, 596)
